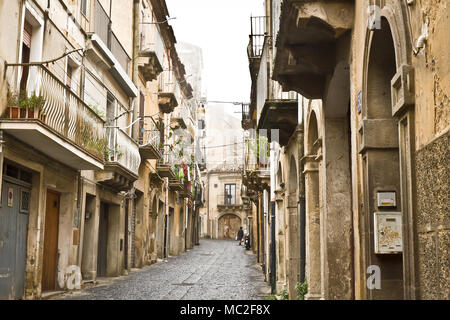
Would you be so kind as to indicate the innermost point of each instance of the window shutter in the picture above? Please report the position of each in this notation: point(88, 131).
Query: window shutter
point(27, 32)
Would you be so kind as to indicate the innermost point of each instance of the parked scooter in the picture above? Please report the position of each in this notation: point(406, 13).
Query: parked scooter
point(247, 242)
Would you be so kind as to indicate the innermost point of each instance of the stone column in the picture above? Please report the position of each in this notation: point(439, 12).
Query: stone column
point(280, 237)
point(293, 266)
point(313, 248)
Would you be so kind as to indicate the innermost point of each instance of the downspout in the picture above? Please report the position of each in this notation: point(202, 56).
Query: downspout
point(258, 235)
point(302, 198)
point(186, 212)
point(273, 255)
point(2, 142)
point(136, 8)
point(207, 201)
point(80, 218)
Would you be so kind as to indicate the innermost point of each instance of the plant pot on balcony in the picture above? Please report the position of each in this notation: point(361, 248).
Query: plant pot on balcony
point(17, 112)
point(14, 112)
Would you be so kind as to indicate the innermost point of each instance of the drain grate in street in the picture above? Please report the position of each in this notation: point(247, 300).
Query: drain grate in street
point(183, 284)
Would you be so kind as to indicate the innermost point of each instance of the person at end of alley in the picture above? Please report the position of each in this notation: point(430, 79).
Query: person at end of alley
point(240, 235)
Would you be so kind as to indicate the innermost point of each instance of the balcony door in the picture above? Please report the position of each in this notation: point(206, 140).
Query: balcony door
point(230, 194)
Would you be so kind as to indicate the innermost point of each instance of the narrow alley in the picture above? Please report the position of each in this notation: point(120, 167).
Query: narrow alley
point(215, 270)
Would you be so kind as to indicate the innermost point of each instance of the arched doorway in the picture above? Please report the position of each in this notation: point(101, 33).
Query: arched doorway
point(152, 226)
point(229, 225)
point(381, 162)
point(313, 222)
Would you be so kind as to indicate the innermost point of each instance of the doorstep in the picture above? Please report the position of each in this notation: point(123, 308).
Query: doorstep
point(50, 294)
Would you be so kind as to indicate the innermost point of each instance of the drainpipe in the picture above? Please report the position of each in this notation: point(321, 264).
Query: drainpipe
point(80, 219)
point(273, 255)
point(136, 50)
point(207, 209)
point(2, 142)
point(257, 227)
point(186, 212)
point(302, 201)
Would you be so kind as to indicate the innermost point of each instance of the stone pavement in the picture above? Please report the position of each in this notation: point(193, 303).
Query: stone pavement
point(215, 270)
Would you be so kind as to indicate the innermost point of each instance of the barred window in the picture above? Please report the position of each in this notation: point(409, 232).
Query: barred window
point(24, 201)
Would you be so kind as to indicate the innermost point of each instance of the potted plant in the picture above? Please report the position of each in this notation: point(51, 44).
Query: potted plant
point(20, 106)
point(13, 104)
point(32, 103)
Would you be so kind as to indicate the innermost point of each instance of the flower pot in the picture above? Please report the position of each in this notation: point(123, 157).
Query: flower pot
point(23, 113)
point(30, 114)
point(14, 112)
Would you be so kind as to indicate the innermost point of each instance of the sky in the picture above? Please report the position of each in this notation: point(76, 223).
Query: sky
point(221, 28)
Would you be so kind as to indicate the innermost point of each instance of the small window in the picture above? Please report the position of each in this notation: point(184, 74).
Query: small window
point(69, 76)
point(12, 171)
point(230, 194)
point(85, 4)
point(26, 176)
point(24, 201)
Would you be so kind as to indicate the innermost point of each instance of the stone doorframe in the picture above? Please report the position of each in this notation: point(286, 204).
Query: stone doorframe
point(403, 99)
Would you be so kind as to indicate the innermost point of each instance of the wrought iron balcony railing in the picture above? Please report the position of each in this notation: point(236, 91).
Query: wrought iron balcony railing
point(229, 200)
point(150, 135)
point(257, 156)
point(123, 150)
point(152, 41)
point(257, 35)
point(102, 27)
point(59, 109)
point(168, 82)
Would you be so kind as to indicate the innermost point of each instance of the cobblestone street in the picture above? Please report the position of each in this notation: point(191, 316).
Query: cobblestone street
point(215, 270)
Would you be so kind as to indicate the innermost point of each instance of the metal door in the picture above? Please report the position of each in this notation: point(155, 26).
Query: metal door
point(14, 213)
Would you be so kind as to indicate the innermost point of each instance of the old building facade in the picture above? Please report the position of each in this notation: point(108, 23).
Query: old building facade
point(225, 212)
point(91, 98)
point(359, 174)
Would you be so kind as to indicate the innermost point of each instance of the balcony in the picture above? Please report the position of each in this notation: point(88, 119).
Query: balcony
point(229, 203)
point(307, 43)
point(106, 50)
point(167, 88)
point(180, 117)
point(247, 121)
point(123, 161)
point(166, 166)
point(256, 176)
point(150, 141)
point(176, 185)
point(281, 115)
point(256, 42)
point(151, 53)
point(59, 125)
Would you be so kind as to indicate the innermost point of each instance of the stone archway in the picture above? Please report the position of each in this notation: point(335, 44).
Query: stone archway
point(313, 221)
point(229, 225)
point(380, 152)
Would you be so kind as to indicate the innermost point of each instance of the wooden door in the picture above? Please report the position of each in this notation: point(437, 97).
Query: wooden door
point(102, 240)
point(165, 236)
point(125, 256)
point(49, 266)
